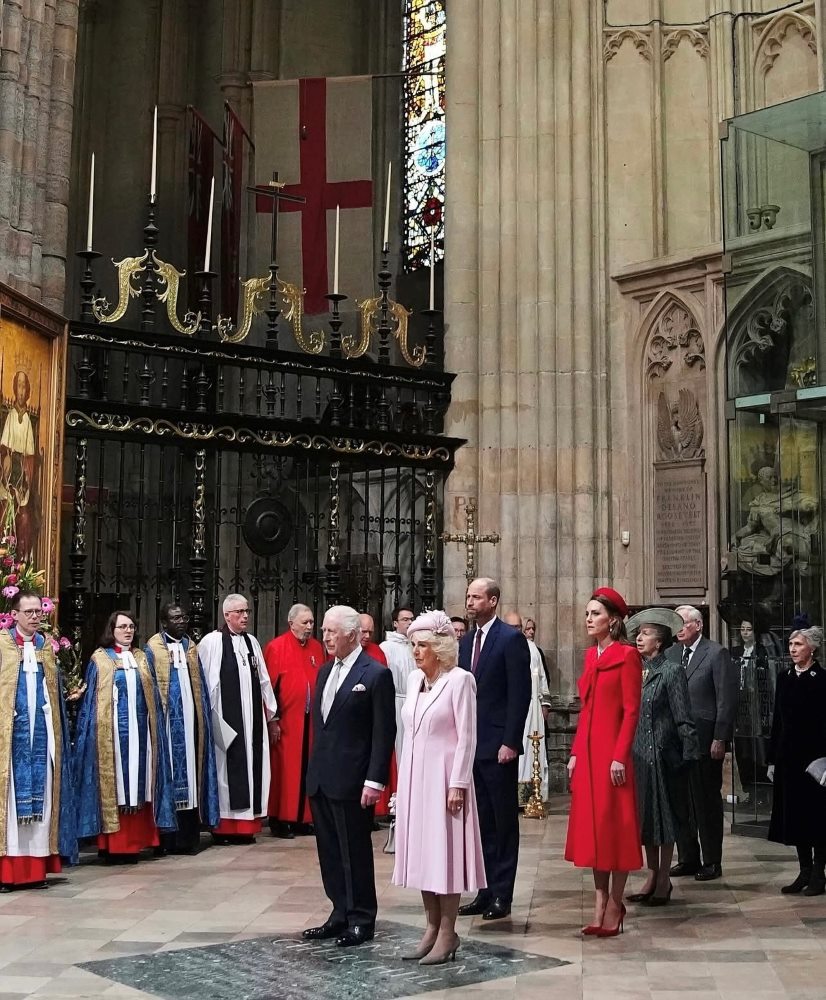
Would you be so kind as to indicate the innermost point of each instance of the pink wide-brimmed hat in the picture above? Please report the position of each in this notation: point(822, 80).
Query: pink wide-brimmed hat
point(436, 622)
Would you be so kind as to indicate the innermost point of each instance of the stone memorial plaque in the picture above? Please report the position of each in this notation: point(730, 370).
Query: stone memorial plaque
point(289, 968)
point(680, 527)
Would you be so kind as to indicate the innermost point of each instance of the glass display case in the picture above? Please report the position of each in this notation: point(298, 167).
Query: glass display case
point(772, 168)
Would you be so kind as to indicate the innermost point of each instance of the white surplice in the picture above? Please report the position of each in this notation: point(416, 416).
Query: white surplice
point(129, 797)
point(178, 657)
point(399, 653)
point(31, 840)
point(535, 723)
point(210, 650)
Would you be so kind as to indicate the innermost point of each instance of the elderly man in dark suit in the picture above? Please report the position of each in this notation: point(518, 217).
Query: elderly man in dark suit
point(354, 728)
point(713, 690)
point(498, 656)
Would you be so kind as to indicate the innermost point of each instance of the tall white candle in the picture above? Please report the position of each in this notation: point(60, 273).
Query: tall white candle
point(386, 240)
point(335, 257)
point(153, 182)
point(432, 262)
point(91, 204)
point(208, 251)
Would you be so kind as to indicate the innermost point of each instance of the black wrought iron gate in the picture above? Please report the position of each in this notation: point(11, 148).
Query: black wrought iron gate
point(201, 467)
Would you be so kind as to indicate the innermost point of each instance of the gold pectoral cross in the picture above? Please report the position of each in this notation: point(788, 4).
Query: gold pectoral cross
point(470, 539)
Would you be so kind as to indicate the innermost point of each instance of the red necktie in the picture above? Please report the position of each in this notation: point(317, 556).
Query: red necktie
point(477, 649)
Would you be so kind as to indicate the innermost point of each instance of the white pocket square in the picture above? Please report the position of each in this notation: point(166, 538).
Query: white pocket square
point(359, 687)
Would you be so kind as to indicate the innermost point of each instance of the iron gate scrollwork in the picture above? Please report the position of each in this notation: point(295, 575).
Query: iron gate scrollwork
point(199, 467)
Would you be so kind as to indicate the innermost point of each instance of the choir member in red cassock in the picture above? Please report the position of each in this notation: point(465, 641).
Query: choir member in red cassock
point(292, 660)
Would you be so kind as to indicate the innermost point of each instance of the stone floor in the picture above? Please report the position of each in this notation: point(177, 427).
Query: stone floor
point(736, 939)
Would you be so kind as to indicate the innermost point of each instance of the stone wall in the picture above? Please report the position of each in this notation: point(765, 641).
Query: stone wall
point(583, 220)
point(37, 69)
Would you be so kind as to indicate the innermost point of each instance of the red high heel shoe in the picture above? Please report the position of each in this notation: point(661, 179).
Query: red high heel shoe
point(604, 932)
point(591, 929)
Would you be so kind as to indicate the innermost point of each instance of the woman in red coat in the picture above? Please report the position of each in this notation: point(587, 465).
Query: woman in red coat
point(603, 829)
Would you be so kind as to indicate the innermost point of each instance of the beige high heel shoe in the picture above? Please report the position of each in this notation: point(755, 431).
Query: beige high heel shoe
point(446, 956)
point(420, 952)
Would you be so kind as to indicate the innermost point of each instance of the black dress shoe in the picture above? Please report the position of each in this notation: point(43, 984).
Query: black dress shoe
point(305, 830)
point(355, 935)
point(329, 929)
point(498, 908)
point(707, 873)
point(475, 906)
point(681, 869)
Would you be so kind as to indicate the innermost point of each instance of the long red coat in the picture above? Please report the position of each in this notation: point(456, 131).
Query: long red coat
point(603, 828)
point(293, 670)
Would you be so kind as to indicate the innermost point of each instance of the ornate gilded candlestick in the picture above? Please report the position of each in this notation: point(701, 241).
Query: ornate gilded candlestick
point(535, 807)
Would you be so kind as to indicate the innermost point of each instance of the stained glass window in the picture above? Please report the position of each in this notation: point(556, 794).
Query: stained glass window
point(423, 130)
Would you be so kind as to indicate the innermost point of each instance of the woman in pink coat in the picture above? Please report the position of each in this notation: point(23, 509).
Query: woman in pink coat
point(438, 847)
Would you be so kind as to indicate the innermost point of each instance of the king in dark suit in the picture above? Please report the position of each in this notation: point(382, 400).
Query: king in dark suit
point(498, 656)
point(354, 726)
point(713, 690)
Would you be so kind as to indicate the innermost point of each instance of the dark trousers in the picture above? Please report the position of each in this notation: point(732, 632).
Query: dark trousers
point(187, 838)
point(812, 857)
point(705, 785)
point(345, 853)
point(497, 800)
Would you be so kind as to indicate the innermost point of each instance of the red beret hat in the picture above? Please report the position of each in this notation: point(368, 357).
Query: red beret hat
point(614, 597)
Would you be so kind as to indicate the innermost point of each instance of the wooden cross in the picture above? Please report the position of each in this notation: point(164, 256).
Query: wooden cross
point(470, 539)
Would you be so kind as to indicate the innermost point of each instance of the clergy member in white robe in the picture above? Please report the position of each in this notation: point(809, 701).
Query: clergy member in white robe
point(399, 654)
point(38, 825)
point(243, 714)
point(173, 657)
point(535, 722)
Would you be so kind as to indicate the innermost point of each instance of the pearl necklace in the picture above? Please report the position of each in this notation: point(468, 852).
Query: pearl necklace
point(428, 685)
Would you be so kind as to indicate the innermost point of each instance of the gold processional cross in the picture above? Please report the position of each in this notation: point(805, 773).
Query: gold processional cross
point(470, 539)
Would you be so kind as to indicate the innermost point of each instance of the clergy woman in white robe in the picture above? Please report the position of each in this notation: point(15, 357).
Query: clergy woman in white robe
point(122, 772)
point(243, 709)
point(37, 826)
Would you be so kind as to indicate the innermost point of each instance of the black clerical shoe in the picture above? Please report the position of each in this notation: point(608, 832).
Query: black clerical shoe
point(355, 935)
point(678, 870)
point(707, 873)
point(498, 908)
point(475, 906)
point(329, 929)
point(283, 830)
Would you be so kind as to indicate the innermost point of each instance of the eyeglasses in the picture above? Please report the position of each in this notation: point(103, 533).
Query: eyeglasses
point(30, 612)
point(126, 628)
point(239, 611)
point(179, 620)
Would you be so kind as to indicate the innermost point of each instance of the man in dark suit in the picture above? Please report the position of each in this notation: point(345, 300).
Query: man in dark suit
point(498, 656)
point(354, 727)
point(713, 690)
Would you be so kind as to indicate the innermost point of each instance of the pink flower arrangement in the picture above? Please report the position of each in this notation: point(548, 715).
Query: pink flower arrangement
point(8, 562)
point(6, 620)
point(11, 578)
point(55, 646)
point(64, 643)
point(9, 592)
point(48, 605)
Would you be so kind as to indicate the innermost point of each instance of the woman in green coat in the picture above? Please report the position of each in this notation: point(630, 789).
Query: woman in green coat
point(664, 746)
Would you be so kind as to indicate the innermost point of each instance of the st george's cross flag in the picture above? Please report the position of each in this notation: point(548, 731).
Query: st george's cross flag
point(317, 134)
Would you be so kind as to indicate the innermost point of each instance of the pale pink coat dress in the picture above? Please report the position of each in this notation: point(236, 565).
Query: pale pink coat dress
point(438, 851)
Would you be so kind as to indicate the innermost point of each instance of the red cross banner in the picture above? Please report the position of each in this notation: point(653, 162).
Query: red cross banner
point(317, 134)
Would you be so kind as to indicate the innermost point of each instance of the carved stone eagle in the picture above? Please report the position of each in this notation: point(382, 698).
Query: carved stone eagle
point(679, 427)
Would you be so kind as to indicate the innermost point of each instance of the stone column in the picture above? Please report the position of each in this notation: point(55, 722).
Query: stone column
point(524, 313)
point(37, 67)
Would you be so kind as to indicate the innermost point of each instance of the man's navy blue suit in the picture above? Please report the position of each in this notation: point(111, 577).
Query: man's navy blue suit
point(503, 695)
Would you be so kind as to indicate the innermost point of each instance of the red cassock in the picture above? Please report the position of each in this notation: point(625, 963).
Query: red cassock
point(293, 670)
point(374, 650)
point(603, 828)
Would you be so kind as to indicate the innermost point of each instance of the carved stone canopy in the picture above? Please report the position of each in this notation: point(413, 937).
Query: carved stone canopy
point(675, 335)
